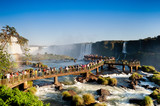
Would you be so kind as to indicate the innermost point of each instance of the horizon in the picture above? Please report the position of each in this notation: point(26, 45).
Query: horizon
point(71, 22)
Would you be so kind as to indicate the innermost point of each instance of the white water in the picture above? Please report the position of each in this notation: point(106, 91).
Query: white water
point(14, 48)
point(119, 97)
point(86, 49)
point(124, 48)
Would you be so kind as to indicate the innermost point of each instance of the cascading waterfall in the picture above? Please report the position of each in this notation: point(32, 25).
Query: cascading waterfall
point(86, 49)
point(14, 49)
point(124, 51)
point(124, 48)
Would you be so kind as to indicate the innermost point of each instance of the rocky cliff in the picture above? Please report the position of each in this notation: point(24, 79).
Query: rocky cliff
point(146, 50)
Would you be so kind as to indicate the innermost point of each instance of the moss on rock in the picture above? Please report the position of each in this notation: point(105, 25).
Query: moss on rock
point(88, 99)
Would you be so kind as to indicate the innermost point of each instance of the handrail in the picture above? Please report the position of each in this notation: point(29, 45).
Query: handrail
point(16, 80)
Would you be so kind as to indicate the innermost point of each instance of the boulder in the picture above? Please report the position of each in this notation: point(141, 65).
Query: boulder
point(102, 98)
point(103, 92)
point(132, 86)
point(146, 86)
point(59, 87)
point(123, 87)
point(72, 93)
point(136, 82)
point(135, 101)
point(80, 79)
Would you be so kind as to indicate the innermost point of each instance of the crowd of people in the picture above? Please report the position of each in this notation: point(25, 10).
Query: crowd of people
point(33, 73)
point(91, 56)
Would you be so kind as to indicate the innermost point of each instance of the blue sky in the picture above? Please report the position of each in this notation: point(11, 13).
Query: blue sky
point(50, 22)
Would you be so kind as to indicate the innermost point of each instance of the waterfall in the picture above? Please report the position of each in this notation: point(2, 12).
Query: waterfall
point(124, 48)
point(14, 49)
point(124, 51)
point(86, 49)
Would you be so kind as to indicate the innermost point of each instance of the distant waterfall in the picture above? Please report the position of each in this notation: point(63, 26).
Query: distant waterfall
point(86, 49)
point(124, 51)
point(124, 48)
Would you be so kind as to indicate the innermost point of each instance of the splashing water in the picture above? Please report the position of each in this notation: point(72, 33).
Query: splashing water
point(119, 97)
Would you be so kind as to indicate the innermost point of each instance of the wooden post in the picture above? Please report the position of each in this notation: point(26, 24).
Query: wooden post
point(136, 68)
point(123, 67)
point(25, 85)
point(87, 74)
point(97, 71)
point(55, 80)
point(131, 69)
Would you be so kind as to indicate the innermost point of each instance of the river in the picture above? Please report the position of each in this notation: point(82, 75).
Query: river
point(120, 96)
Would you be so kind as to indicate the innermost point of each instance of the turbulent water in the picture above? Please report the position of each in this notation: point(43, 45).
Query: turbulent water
point(119, 97)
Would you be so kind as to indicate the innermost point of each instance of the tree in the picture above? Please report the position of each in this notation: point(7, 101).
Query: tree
point(9, 32)
point(6, 34)
point(27, 56)
point(5, 63)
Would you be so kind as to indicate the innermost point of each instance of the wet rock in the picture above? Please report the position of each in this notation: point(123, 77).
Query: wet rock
point(58, 87)
point(80, 79)
point(128, 81)
point(135, 101)
point(103, 92)
point(143, 79)
point(72, 93)
point(69, 95)
point(123, 87)
point(146, 86)
point(154, 88)
point(136, 82)
point(92, 78)
point(102, 98)
point(133, 87)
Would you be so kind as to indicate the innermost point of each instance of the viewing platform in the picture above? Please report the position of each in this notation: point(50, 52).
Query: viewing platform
point(99, 63)
point(111, 61)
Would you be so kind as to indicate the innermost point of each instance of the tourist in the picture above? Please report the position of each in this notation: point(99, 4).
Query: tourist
point(8, 77)
point(35, 72)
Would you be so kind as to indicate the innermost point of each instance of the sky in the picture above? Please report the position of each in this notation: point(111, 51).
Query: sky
point(59, 22)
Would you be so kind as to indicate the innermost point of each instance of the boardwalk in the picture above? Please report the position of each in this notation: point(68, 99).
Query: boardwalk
point(22, 79)
point(110, 61)
point(13, 82)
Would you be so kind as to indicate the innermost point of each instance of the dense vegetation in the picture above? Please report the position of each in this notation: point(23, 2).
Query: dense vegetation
point(107, 81)
point(5, 63)
point(15, 97)
point(156, 78)
point(149, 69)
point(6, 35)
point(9, 32)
